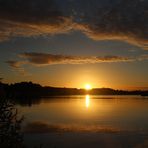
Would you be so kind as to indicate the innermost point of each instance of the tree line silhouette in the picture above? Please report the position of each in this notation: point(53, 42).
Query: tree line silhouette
point(29, 89)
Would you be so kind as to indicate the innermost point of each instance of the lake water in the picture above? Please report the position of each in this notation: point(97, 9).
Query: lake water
point(86, 121)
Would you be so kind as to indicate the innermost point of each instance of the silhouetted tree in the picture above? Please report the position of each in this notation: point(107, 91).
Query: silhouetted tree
point(10, 126)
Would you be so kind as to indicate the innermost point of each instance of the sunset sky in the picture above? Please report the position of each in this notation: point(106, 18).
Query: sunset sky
point(70, 43)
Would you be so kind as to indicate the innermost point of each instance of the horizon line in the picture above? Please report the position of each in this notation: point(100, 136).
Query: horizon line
point(81, 88)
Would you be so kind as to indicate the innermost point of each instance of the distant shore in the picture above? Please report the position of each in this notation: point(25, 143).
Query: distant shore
point(29, 89)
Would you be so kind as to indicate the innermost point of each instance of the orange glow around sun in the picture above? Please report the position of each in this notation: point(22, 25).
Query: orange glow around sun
point(88, 87)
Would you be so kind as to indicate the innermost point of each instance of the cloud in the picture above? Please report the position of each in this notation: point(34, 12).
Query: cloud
point(14, 64)
point(143, 57)
point(122, 20)
point(30, 18)
point(125, 20)
point(41, 59)
point(46, 59)
point(17, 66)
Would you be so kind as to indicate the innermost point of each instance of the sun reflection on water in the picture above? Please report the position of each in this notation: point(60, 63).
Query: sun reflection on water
point(87, 101)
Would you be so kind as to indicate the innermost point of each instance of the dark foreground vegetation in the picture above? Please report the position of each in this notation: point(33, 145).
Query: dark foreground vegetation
point(29, 89)
point(10, 126)
point(11, 133)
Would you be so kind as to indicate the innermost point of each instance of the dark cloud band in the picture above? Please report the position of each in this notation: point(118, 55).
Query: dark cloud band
point(45, 59)
point(30, 18)
point(104, 19)
point(40, 59)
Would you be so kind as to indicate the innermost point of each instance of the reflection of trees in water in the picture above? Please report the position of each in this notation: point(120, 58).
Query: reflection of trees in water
point(10, 126)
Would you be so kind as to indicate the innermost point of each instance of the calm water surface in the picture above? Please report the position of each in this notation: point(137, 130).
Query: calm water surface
point(86, 114)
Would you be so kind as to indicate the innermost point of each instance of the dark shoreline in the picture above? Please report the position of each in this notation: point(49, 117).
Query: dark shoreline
point(29, 89)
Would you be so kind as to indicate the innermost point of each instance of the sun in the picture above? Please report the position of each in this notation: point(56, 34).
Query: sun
point(88, 87)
